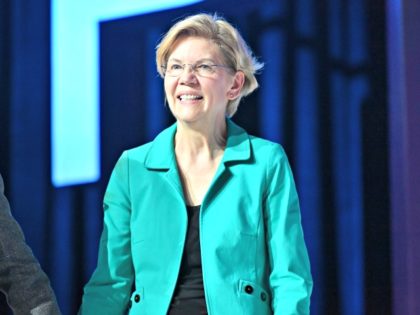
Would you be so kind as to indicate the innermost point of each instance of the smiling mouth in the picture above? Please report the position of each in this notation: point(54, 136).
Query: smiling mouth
point(188, 97)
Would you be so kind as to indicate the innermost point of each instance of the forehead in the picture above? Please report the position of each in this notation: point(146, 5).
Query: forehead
point(194, 48)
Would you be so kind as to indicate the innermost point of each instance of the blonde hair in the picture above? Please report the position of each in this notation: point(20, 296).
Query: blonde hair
point(235, 51)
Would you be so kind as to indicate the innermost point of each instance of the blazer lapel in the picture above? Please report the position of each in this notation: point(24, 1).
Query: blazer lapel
point(161, 158)
point(238, 150)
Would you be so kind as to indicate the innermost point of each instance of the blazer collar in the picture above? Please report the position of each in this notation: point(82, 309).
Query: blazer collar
point(162, 154)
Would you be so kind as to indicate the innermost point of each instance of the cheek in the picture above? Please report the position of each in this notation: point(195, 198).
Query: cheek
point(169, 89)
point(166, 86)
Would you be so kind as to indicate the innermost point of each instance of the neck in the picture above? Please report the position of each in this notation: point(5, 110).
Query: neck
point(193, 142)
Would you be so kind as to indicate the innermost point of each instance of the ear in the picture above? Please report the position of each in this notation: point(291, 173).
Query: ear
point(236, 87)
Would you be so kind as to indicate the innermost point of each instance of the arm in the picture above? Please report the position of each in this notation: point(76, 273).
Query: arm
point(108, 290)
point(26, 286)
point(290, 277)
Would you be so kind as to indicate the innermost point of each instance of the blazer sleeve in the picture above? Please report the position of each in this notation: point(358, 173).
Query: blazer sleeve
point(108, 290)
point(290, 276)
point(22, 280)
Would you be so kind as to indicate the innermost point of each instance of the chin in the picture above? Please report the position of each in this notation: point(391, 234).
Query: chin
point(189, 120)
point(188, 115)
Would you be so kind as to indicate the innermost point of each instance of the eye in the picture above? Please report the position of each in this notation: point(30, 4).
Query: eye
point(204, 67)
point(175, 66)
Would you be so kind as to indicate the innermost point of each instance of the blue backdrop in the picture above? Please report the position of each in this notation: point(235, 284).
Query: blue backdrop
point(322, 96)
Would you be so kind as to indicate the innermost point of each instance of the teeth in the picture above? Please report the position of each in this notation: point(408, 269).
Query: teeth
point(189, 97)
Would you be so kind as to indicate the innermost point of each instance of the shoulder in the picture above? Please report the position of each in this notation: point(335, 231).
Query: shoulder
point(260, 148)
point(152, 151)
point(138, 153)
point(264, 146)
point(134, 156)
point(270, 156)
point(154, 154)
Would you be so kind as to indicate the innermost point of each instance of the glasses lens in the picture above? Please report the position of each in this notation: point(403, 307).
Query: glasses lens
point(204, 69)
point(173, 69)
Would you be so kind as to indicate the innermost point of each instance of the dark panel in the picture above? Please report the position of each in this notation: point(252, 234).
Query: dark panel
point(4, 88)
point(376, 174)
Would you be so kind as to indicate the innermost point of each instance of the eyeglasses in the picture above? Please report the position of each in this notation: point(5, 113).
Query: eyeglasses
point(201, 69)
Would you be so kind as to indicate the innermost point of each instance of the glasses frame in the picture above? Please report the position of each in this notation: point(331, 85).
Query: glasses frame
point(195, 67)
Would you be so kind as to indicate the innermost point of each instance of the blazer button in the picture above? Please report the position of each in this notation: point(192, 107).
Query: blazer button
point(249, 289)
point(263, 296)
point(137, 298)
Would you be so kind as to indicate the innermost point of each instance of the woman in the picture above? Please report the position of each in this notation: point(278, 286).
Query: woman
point(205, 219)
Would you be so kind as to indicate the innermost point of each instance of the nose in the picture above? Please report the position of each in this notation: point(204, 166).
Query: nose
point(188, 74)
point(189, 67)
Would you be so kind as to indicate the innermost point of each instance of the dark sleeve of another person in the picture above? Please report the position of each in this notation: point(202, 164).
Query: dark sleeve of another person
point(26, 286)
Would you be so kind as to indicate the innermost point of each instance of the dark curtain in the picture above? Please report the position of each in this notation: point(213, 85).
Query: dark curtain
point(322, 96)
point(404, 99)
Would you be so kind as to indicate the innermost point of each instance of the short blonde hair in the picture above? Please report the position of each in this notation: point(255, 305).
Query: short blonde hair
point(235, 51)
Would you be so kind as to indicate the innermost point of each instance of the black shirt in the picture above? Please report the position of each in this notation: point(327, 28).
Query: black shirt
point(188, 297)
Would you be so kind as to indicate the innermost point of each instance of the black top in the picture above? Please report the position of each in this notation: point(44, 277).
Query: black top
point(189, 298)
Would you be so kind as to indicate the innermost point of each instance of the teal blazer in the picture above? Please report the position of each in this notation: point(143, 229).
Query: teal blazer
point(254, 257)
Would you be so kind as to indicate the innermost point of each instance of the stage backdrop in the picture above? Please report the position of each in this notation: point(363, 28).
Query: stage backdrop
point(322, 96)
